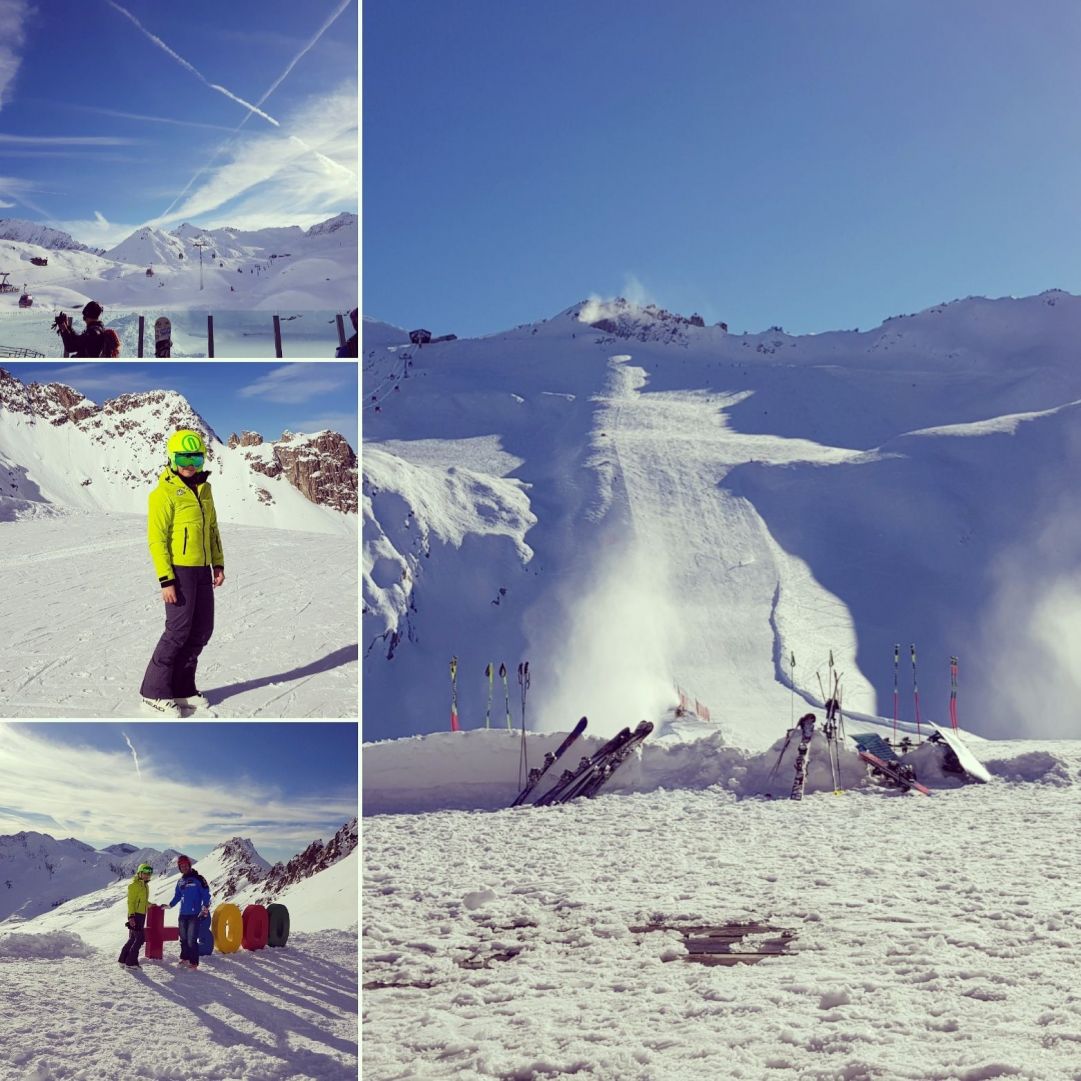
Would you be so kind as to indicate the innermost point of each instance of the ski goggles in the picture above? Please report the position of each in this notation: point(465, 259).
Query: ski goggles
point(195, 460)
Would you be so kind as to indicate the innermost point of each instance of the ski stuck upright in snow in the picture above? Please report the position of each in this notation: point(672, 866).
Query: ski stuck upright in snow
point(550, 758)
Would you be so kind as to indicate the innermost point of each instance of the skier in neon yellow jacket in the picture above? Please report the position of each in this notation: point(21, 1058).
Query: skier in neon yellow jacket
point(185, 545)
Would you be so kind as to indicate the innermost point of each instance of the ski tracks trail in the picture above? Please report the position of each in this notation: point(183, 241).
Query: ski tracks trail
point(80, 612)
point(273, 1015)
point(722, 569)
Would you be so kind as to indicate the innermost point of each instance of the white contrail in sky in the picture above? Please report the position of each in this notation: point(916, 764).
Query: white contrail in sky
point(273, 86)
point(133, 754)
point(191, 67)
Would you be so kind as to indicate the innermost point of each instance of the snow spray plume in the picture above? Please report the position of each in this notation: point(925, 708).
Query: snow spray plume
point(134, 755)
point(612, 652)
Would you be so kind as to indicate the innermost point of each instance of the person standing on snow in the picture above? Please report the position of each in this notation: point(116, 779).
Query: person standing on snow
point(182, 530)
point(194, 896)
point(137, 899)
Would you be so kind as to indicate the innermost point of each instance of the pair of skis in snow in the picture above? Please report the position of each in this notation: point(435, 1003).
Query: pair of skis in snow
point(593, 771)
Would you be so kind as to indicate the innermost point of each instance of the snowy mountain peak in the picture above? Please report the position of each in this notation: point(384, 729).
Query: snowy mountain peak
point(309, 482)
point(44, 236)
point(625, 319)
point(332, 225)
point(232, 867)
point(55, 402)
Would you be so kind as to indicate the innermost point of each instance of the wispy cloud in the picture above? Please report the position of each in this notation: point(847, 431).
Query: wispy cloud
point(66, 140)
point(13, 18)
point(150, 119)
point(21, 191)
point(273, 86)
point(4, 204)
point(90, 794)
point(294, 383)
point(272, 175)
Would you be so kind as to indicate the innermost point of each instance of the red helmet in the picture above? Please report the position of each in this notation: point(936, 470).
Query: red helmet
point(183, 859)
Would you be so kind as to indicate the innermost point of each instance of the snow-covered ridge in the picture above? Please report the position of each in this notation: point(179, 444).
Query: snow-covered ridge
point(43, 236)
point(52, 440)
point(39, 872)
point(700, 506)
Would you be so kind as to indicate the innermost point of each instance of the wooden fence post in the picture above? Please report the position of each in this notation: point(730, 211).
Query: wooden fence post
point(142, 327)
point(277, 336)
point(210, 335)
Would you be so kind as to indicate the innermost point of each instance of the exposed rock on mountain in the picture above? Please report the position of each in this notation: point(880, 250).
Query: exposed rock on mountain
point(315, 858)
point(322, 467)
point(108, 456)
point(237, 866)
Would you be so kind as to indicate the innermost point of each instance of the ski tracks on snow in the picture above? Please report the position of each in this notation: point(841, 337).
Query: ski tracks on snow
point(81, 620)
point(669, 453)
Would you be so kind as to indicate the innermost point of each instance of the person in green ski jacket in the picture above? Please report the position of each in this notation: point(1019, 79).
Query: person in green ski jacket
point(185, 545)
point(138, 891)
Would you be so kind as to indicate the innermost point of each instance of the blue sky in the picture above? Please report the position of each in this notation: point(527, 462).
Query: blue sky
point(195, 785)
point(814, 165)
point(231, 396)
point(103, 128)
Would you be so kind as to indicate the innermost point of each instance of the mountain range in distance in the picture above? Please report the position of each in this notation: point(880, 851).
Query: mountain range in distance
point(60, 450)
point(265, 269)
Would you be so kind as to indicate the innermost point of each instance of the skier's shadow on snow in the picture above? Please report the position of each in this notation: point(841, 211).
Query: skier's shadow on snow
point(196, 991)
point(345, 655)
point(312, 979)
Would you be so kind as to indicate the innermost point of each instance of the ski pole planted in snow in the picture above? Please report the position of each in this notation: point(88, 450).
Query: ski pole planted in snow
point(523, 682)
point(792, 683)
point(489, 672)
point(454, 694)
point(506, 693)
point(916, 692)
point(953, 692)
point(896, 692)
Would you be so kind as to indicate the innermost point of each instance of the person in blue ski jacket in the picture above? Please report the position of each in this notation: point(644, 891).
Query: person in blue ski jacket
point(193, 894)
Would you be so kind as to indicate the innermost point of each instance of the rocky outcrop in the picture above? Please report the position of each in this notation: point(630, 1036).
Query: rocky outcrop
point(322, 467)
point(55, 402)
point(242, 866)
point(315, 858)
point(245, 439)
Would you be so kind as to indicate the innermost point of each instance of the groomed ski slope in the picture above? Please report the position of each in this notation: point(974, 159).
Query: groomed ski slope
point(938, 939)
point(81, 599)
point(662, 504)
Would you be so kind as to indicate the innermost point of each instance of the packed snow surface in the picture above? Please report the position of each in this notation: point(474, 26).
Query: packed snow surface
point(937, 939)
point(84, 610)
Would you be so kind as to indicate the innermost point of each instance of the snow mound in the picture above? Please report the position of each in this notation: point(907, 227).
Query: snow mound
point(54, 944)
point(1035, 766)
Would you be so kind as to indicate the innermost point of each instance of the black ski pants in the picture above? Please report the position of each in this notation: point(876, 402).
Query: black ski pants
point(188, 626)
point(129, 955)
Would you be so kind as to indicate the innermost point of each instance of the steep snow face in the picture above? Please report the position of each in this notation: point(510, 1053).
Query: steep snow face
point(60, 450)
point(231, 867)
point(702, 508)
point(146, 247)
point(39, 873)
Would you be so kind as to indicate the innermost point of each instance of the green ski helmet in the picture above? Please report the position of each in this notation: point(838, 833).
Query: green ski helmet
point(185, 442)
point(145, 869)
